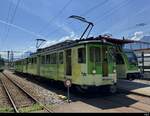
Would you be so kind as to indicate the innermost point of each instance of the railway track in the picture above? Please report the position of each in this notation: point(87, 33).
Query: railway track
point(120, 102)
point(4, 100)
point(18, 96)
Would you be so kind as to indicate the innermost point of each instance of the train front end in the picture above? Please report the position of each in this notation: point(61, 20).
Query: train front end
point(99, 68)
point(132, 65)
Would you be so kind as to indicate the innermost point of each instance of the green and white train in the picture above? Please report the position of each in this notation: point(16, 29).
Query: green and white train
point(127, 65)
point(92, 62)
point(1, 64)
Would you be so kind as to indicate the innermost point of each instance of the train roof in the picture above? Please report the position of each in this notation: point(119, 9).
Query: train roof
point(71, 43)
point(117, 41)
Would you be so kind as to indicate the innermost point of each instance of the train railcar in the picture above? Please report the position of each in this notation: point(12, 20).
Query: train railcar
point(87, 63)
point(127, 65)
point(2, 63)
point(126, 60)
point(133, 71)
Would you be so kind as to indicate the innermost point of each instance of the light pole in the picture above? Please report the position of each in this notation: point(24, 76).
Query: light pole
point(85, 21)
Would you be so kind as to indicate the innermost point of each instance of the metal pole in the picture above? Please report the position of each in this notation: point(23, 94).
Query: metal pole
point(143, 62)
point(8, 58)
point(85, 31)
point(68, 94)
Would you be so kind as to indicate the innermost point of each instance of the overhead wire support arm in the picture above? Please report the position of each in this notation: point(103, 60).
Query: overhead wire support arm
point(90, 24)
point(39, 44)
point(83, 20)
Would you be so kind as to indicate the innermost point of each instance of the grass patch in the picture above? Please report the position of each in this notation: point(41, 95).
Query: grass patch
point(34, 107)
point(6, 110)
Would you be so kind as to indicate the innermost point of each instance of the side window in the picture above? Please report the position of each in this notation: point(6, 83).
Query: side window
point(47, 59)
point(43, 60)
point(53, 58)
point(81, 55)
point(29, 60)
point(32, 60)
point(61, 58)
point(35, 60)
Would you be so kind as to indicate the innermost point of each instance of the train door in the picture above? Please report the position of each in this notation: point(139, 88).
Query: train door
point(120, 66)
point(94, 64)
point(105, 61)
point(68, 63)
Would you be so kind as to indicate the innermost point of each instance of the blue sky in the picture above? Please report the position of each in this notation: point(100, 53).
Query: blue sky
point(46, 19)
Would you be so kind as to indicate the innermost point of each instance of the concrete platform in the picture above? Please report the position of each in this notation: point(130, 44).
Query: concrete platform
point(135, 87)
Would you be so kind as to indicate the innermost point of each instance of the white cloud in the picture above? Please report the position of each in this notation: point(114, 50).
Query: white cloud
point(72, 36)
point(138, 35)
point(64, 28)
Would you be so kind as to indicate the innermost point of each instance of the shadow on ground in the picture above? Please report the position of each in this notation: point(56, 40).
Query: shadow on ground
point(130, 85)
point(99, 99)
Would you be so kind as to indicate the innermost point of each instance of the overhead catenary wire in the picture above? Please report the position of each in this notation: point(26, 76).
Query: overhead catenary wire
point(107, 13)
point(12, 18)
point(57, 15)
point(83, 14)
point(7, 17)
point(94, 8)
point(110, 12)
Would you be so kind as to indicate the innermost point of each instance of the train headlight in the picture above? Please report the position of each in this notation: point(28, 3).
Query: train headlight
point(114, 71)
point(94, 71)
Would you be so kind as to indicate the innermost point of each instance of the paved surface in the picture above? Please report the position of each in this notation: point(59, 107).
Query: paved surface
point(136, 86)
point(95, 105)
point(147, 74)
point(124, 103)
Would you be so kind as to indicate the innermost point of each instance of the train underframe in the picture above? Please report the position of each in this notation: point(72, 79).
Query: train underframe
point(111, 88)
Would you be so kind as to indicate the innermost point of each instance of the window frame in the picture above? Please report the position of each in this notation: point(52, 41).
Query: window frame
point(61, 57)
point(83, 56)
point(93, 53)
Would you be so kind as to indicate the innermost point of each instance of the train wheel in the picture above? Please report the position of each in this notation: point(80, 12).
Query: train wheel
point(82, 89)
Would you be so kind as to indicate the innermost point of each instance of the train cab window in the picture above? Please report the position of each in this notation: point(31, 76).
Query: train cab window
point(112, 54)
point(61, 58)
point(95, 54)
point(48, 59)
point(81, 55)
point(131, 57)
